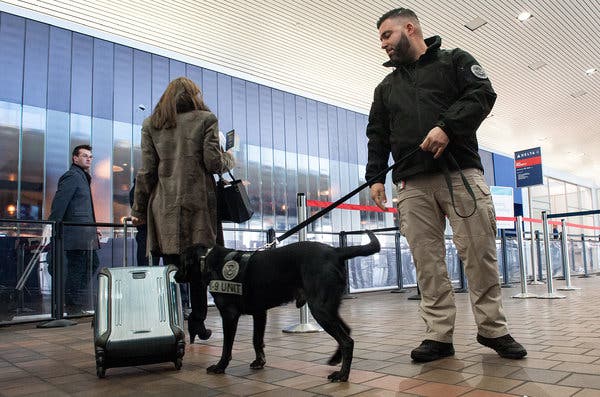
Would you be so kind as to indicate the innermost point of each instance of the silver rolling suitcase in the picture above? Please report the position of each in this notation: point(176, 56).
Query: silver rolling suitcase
point(138, 318)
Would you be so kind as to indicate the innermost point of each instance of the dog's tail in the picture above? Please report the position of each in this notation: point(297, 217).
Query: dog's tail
point(360, 250)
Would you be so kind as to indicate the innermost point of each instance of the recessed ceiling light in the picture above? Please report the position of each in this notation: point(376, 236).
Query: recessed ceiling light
point(524, 16)
point(591, 71)
point(475, 24)
point(537, 65)
point(577, 94)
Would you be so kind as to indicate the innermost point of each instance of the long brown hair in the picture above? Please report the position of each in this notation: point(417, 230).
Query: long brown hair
point(181, 95)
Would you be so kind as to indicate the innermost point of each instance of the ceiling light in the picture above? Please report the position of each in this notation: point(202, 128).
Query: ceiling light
point(591, 71)
point(475, 24)
point(536, 65)
point(524, 16)
point(577, 94)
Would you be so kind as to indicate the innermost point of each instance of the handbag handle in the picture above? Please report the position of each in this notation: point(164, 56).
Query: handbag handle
point(230, 175)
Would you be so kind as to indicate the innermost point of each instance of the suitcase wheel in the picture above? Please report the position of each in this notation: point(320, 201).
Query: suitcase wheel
point(100, 372)
point(178, 363)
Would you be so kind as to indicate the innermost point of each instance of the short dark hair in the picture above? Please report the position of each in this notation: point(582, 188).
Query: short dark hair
point(79, 147)
point(398, 12)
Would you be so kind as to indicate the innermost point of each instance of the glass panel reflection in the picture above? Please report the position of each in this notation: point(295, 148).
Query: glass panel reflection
point(32, 169)
point(121, 170)
point(10, 126)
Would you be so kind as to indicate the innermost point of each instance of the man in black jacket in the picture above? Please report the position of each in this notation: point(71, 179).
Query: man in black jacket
point(73, 203)
point(436, 99)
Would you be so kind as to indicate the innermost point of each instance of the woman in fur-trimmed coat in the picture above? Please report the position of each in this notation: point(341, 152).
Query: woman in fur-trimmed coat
point(175, 191)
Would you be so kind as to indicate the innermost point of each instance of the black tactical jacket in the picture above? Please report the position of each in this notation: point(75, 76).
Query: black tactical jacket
point(447, 88)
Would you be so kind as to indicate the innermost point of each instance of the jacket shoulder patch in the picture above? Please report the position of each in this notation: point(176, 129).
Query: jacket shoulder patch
point(478, 71)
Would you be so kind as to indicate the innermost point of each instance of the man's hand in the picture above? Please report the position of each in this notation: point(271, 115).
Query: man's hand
point(435, 142)
point(378, 195)
point(99, 233)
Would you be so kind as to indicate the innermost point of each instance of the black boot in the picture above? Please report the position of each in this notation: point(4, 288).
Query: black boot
point(197, 328)
point(505, 346)
point(431, 350)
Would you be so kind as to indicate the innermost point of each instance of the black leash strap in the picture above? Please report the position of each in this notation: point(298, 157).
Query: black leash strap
point(331, 206)
point(444, 165)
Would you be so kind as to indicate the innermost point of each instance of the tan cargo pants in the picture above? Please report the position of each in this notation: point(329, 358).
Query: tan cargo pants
point(424, 202)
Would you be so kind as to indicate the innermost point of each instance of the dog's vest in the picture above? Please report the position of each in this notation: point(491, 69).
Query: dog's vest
point(231, 279)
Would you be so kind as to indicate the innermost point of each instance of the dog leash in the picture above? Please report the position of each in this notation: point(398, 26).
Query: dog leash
point(446, 172)
point(330, 207)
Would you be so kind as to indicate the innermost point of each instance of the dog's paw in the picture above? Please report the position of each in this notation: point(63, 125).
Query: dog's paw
point(336, 358)
point(215, 369)
point(259, 363)
point(337, 376)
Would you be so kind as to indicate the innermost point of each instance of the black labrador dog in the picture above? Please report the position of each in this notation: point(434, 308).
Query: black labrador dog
point(252, 282)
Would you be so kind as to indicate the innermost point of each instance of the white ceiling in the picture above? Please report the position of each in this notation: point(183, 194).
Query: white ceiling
point(329, 50)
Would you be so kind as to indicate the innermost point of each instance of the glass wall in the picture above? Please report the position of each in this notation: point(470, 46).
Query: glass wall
point(557, 196)
point(61, 89)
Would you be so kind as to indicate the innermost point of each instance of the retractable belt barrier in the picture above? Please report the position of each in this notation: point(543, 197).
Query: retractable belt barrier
point(443, 162)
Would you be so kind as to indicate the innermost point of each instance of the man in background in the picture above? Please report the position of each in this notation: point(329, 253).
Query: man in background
point(73, 203)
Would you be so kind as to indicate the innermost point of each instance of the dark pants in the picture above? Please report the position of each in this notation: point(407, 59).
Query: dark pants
point(197, 290)
point(140, 239)
point(80, 268)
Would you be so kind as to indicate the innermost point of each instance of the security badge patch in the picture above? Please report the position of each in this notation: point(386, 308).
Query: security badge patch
point(230, 271)
point(479, 71)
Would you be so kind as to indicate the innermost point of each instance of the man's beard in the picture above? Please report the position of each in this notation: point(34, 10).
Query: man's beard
point(402, 54)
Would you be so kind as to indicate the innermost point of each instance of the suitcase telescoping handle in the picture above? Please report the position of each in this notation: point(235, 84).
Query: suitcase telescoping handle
point(126, 223)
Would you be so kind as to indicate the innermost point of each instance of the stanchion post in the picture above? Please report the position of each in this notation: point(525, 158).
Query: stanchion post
point(585, 274)
point(524, 294)
point(534, 277)
point(591, 259)
point(550, 294)
point(463, 280)
point(270, 235)
point(565, 258)
point(304, 326)
point(399, 271)
point(343, 240)
point(572, 252)
point(505, 281)
point(564, 250)
point(538, 249)
point(58, 286)
point(538, 280)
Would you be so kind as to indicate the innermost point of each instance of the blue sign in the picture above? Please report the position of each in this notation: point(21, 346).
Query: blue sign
point(528, 167)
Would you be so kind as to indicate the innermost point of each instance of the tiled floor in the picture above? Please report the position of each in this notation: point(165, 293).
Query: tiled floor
point(562, 337)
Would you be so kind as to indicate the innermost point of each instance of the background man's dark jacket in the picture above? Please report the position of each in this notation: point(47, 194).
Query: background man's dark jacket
point(73, 203)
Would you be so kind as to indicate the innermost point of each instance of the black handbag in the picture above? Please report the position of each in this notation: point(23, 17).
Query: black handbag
point(233, 204)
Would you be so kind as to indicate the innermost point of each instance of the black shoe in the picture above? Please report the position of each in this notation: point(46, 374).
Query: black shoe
point(431, 350)
point(505, 346)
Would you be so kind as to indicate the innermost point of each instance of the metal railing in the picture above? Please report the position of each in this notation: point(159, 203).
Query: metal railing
point(29, 293)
